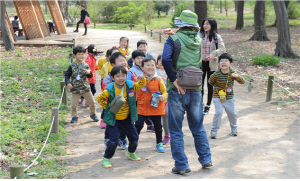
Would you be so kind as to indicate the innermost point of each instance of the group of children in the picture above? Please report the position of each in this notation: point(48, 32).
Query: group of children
point(134, 92)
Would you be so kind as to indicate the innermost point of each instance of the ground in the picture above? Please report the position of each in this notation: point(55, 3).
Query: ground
point(267, 145)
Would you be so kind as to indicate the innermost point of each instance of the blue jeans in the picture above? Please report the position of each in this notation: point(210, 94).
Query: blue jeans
point(191, 103)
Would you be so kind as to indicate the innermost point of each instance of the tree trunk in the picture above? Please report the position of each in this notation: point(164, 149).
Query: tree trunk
point(200, 10)
point(46, 7)
point(226, 8)
point(235, 5)
point(286, 3)
point(240, 15)
point(8, 43)
point(220, 6)
point(61, 7)
point(259, 22)
point(283, 44)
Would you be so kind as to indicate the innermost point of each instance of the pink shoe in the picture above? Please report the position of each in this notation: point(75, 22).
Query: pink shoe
point(80, 102)
point(102, 124)
point(166, 139)
point(86, 104)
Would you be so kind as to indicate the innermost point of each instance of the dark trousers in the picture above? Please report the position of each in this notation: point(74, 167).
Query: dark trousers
point(93, 90)
point(107, 133)
point(128, 127)
point(148, 120)
point(206, 70)
point(84, 26)
point(156, 122)
point(51, 27)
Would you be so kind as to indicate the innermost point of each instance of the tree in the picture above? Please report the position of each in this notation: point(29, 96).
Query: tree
point(260, 33)
point(8, 43)
point(200, 10)
point(220, 6)
point(130, 14)
point(283, 44)
point(161, 6)
point(240, 15)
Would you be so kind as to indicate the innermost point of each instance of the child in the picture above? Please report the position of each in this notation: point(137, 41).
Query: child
point(141, 45)
point(103, 60)
point(105, 70)
point(124, 47)
point(162, 73)
point(125, 117)
point(222, 80)
point(79, 84)
point(91, 61)
point(145, 108)
point(137, 57)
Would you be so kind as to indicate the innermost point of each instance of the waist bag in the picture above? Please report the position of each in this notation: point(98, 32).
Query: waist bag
point(189, 77)
point(117, 103)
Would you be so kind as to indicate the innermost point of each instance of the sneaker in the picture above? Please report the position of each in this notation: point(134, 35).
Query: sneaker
point(95, 118)
point(102, 124)
point(150, 128)
point(75, 31)
point(122, 144)
point(106, 162)
point(206, 110)
point(80, 102)
point(86, 104)
point(233, 132)
point(206, 165)
point(213, 135)
point(159, 147)
point(132, 156)
point(166, 139)
point(84, 34)
point(179, 171)
point(74, 120)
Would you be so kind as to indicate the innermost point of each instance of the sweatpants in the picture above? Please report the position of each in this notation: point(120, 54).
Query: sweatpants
point(165, 121)
point(229, 106)
point(88, 98)
point(156, 122)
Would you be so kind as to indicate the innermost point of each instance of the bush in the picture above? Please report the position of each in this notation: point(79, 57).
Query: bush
point(293, 10)
point(266, 60)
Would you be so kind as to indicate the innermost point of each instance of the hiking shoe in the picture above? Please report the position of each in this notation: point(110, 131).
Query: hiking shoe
point(180, 171)
point(150, 128)
point(74, 120)
point(233, 132)
point(106, 163)
point(213, 135)
point(166, 139)
point(105, 142)
point(206, 165)
point(95, 118)
point(75, 31)
point(160, 148)
point(102, 124)
point(206, 110)
point(122, 144)
point(132, 156)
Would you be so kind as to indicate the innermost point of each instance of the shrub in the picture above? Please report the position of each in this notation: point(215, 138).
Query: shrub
point(293, 10)
point(266, 60)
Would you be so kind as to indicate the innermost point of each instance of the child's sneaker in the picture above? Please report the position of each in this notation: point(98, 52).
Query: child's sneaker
point(160, 148)
point(80, 102)
point(123, 144)
point(95, 118)
point(206, 110)
point(233, 132)
point(102, 124)
point(86, 104)
point(74, 120)
point(105, 142)
point(166, 139)
point(213, 135)
point(132, 156)
point(106, 163)
point(150, 128)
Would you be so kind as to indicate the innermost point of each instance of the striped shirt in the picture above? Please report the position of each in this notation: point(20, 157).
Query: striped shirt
point(219, 79)
point(205, 49)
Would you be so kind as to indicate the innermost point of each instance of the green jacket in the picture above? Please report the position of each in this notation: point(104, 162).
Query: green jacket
point(187, 45)
point(110, 117)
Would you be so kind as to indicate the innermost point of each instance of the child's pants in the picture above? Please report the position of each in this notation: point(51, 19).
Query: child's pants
point(121, 137)
point(229, 106)
point(88, 98)
point(114, 131)
point(165, 121)
point(157, 126)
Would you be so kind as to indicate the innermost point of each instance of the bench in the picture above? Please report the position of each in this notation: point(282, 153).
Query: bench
point(20, 31)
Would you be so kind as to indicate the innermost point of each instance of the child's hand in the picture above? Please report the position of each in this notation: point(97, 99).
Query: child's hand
point(140, 77)
point(69, 86)
point(87, 72)
point(161, 98)
point(210, 57)
point(234, 75)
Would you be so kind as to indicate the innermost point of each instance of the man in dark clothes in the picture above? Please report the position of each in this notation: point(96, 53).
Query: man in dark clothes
point(84, 14)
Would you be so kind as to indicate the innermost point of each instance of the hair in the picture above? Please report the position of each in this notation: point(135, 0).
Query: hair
point(108, 52)
point(16, 17)
point(148, 59)
point(141, 42)
point(82, 6)
point(115, 70)
point(137, 53)
point(78, 49)
point(159, 57)
point(92, 49)
point(213, 30)
point(226, 56)
point(112, 49)
point(113, 57)
point(123, 37)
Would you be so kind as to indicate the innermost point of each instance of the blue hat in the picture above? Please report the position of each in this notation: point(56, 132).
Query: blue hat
point(187, 18)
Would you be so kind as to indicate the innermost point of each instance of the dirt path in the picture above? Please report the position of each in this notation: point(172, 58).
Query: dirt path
point(267, 145)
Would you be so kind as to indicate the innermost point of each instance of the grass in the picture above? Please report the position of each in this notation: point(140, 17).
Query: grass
point(30, 89)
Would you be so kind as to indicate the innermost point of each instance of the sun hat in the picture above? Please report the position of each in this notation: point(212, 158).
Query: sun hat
point(187, 18)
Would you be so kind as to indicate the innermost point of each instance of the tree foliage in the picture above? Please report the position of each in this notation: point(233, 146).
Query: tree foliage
point(130, 13)
point(161, 6)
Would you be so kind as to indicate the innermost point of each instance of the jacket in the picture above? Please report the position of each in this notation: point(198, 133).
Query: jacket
point(91, 61)
point(105, 70)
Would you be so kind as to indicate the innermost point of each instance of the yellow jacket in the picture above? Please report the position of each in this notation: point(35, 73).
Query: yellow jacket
point(126, 51)
point(105, 70)
point(101, 62)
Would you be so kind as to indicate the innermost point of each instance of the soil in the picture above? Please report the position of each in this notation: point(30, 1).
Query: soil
point(267, 145)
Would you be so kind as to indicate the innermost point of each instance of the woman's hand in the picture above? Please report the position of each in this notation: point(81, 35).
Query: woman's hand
point(168, 31)
point(179, 88)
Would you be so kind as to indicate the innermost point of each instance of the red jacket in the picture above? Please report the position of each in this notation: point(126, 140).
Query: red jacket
point(91, 61)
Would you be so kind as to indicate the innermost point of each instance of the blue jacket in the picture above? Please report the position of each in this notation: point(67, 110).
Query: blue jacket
point(107, 80)
point(136, 70)
point(130, 62)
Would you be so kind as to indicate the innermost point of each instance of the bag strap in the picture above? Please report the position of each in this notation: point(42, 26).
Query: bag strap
point(216, 41)
point(148, 90)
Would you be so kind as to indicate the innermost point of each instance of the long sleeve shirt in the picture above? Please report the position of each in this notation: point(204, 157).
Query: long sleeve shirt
point(167, 58)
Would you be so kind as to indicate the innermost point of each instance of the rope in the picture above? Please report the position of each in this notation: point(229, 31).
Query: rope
point(286, 89)
point(43, 146)
point(242, 73)
point(163, 37)
point(61, 96)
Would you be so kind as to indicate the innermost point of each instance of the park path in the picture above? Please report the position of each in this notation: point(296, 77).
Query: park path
point(267, 145)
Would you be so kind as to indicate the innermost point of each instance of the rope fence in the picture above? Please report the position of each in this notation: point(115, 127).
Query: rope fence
point(160, 36)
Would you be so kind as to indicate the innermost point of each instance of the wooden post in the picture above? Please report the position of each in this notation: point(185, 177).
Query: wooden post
point(145, 29)
point(16, 171)
point(55, 122)
point(64, 98)
point(270, 88)
point(73, 43)
point(130, 26)
point(71, 57)
point(151, 33)
point(159, 37)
